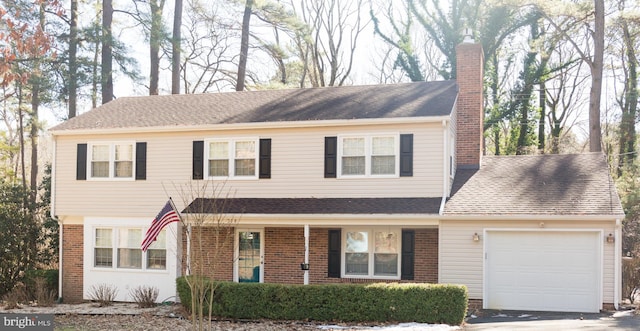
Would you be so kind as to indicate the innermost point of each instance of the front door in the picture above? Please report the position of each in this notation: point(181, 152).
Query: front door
point(250, 256)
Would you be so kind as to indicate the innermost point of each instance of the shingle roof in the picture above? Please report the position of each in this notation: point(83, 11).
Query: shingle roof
point(578, 184)
point(316, 206)
point(327, 103)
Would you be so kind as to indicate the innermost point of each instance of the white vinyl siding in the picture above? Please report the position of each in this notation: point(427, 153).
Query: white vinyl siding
point(297, 163)
point(461, 259)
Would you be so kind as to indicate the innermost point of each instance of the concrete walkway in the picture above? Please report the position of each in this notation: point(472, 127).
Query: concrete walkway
point(519, 320)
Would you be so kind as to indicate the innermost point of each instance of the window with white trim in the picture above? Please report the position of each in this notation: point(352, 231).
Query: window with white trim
point(232, 158)
point(157, 252)
point(371, 253)
point(103, 248)
point(127, 251)
point(111, 160)
point(368, 156)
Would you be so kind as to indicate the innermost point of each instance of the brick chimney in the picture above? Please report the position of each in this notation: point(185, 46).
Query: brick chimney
point(470, 105)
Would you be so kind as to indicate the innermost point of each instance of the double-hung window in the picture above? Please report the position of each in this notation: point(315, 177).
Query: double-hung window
point(375, 155)
point(103, 248)
point(111, 160)
point(371, 253)
point(122, 244)
point(232, 158)
point(129, 251)
point(157, 252)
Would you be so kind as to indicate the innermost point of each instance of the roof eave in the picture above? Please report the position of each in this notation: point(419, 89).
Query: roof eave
point(254, 125)
point(532, 217)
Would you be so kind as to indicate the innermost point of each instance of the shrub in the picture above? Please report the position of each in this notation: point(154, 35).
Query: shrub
point(42, 285)
point(145, 296)
point(103, 294)
point(17, 295)
point(630, 278)
point(44, 295)
point(405, 302)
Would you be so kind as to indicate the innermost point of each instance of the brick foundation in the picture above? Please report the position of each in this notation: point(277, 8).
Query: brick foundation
point(72, 263)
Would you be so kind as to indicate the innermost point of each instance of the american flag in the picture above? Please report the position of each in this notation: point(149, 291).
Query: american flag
point(167, 215)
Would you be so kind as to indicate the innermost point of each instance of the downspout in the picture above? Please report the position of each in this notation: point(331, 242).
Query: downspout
point(52, 213)
point(445, 160)
point(617, 262)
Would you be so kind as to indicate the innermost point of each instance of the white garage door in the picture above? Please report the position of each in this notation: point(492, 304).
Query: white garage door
point(543, 270)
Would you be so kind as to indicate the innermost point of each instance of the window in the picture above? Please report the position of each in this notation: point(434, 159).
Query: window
point(368, 156)
point(111, 160)
point(129, 251)
point(103, 251)
point(232, 158)
point(157, 252)
point(371, 253)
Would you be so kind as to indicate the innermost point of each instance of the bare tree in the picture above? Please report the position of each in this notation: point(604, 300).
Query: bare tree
point(328, 50)
point(207, 59)
point(208, 233)
point(590, 46)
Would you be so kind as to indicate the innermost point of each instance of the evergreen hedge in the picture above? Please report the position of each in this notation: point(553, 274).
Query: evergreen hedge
point(380, 302)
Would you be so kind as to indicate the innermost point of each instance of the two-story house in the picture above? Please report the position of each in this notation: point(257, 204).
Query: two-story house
point(360, 183)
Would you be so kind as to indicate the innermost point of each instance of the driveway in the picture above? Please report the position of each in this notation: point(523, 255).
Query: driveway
point(521, 320)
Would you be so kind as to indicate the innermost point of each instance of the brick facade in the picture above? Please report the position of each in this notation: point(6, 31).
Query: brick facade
point(214, 256)
point(470, 110)
point(72, 263)
point(284, 251)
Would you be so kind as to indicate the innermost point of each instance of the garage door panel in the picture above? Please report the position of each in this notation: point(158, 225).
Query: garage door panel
point(543, 270)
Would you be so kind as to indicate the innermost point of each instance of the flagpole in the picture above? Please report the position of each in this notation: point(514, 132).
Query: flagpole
point(188, 264)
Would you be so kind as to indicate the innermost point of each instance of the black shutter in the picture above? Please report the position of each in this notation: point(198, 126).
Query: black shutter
point(408, 254)
point(330, 157)
point(335, 237)
point(141, 161)
point(198, 159)
point(265, 158)
point(406, 155)
point(81, 162)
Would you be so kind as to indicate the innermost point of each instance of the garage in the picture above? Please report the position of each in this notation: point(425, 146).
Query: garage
point(543, 270)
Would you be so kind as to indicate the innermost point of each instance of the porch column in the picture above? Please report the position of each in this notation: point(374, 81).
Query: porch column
point(306, 253)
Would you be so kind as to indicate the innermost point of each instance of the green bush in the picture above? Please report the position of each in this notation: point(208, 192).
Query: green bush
point(405, 302)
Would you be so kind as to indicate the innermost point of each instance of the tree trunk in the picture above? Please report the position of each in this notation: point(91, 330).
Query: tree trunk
point(629, 105)
point(244, 46)
point(155, 39)
point(595, 133)
point(107, 57)
point(73, 65)
point(175, 48)
point(36, 80)
point(543, 115)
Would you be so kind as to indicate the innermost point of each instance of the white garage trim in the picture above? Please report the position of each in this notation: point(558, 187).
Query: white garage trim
point(593, 241)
